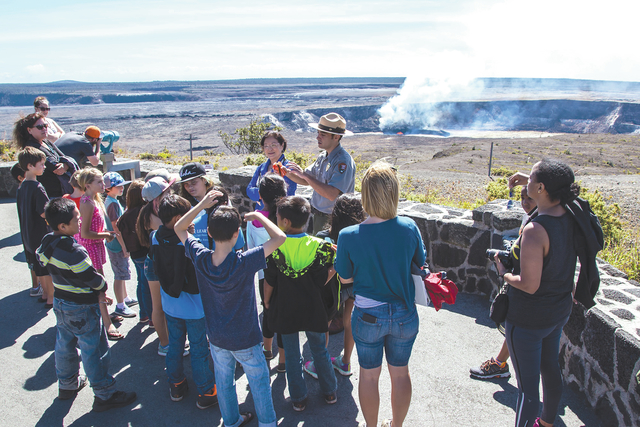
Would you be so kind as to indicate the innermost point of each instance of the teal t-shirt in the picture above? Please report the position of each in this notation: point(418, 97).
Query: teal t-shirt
point(200, 232)
point(114, 211)
point(378, 258)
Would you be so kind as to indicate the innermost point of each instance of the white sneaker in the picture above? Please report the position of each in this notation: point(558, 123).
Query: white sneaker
point(124, 311)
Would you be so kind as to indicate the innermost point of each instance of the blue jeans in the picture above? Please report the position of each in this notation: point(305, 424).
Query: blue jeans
point(142, 291)
point(257, 371)
point(392, 327)
point(534, 353)
point(178, 330)
point(293, 359)
point(79, 324)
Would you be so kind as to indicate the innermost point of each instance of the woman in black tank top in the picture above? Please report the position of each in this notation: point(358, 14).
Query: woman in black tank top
point(540, 296)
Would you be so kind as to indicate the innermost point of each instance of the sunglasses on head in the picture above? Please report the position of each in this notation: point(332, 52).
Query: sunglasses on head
point(44, 108)
point(40, 127)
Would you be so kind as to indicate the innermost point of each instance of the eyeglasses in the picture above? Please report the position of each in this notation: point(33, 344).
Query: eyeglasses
point(40, 127)
point(44, 108)
point(272, 145)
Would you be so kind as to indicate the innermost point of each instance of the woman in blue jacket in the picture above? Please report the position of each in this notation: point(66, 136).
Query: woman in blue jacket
point(273, 146)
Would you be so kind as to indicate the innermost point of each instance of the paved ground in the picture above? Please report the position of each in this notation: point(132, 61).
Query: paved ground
point(449, 342)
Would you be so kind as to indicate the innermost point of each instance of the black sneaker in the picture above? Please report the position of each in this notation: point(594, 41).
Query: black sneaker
point(208, 399)
point(268, 354)
point(179, 390)
point(490, 369)
point(70, 394)
point(281, 368)
point(117, 400)
point(331, 398)
point(300, 406)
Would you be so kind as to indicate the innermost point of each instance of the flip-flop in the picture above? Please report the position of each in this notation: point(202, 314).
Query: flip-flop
point(114, 336)
point(247, 420)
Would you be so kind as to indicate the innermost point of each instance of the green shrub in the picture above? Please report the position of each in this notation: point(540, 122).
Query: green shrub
point(624, 253)
point(497, 189)
point(361, 168)
point(608, 215)
point(300, 158)
point(147, 156)
point(165, 155)
point(254, 160)
point(247, 139)
point(502, 171)
point(7, 151)
point(620, 243)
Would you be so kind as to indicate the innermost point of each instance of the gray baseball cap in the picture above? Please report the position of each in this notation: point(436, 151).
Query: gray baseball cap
point(155, 187)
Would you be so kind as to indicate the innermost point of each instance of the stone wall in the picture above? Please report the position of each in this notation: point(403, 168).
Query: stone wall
point(600, 347)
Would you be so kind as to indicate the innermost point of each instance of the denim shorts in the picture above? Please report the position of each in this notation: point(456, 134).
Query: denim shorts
point(393, 327)
point(32, 262)
point(149, 270)
point(119, 265)
point(346, 293)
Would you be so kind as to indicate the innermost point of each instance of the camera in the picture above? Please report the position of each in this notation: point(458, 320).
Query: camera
point(503, 256)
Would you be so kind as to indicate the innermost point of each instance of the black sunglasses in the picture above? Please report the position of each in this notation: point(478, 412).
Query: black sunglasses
point(44, 108)
point(40, 127)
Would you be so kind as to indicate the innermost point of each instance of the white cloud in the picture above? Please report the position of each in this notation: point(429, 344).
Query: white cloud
point(35, 69)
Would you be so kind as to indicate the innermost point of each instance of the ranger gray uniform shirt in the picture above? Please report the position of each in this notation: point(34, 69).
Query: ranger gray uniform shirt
point(336, 169)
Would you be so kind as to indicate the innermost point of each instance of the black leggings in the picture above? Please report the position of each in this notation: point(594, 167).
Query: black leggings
point(266, 332)
point(534, 353)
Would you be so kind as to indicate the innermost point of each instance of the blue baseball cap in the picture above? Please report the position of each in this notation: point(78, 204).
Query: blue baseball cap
point(114, 179)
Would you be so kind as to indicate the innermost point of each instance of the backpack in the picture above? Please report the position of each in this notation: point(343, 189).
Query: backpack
point(127, 227)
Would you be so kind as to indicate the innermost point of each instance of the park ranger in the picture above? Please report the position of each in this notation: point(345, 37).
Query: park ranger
point(333, 172)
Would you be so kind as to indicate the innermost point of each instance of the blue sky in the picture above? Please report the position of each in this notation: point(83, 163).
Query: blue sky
point(101, 41)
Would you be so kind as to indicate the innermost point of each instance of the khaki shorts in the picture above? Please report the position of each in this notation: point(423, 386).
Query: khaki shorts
point(119, 265)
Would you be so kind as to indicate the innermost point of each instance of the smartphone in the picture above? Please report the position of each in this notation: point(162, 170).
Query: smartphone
point(369, 318)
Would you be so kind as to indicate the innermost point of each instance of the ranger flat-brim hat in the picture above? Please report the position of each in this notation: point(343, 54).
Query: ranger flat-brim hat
point(332, 123)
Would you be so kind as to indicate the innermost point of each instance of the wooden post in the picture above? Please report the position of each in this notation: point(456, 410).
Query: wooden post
point(490, 158)
point(190, 139)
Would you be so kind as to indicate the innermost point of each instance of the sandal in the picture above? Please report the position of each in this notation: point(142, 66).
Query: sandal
point(247, 417)
point(114, 335)
point(116, 318)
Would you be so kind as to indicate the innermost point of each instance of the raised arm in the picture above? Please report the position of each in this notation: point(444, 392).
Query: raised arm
point(325, 190)
point(518, 178)
point(534, 246)
point(296, 174)
point(209, 201)
point(277, 236)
